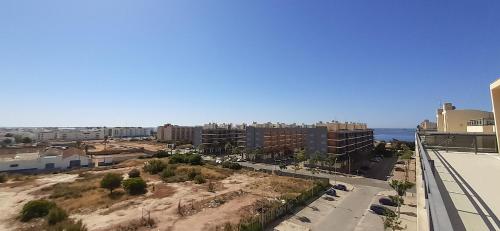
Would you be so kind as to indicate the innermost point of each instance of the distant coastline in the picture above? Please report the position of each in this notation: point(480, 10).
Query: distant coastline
point(388, 134)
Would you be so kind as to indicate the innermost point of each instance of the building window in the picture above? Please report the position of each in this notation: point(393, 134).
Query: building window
point(14, 165)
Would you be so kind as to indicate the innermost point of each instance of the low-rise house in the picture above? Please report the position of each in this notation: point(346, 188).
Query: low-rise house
point(49, 159)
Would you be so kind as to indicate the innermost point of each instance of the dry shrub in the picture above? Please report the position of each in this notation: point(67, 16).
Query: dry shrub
point(137, 224)
point(289, 185)
point(207, 172)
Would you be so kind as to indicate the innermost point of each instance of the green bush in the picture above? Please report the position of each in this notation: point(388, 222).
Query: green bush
point(111, 181)
point(35, 209)
point(167, 173)
point(193, 159)
point(199, 179)
point(154, 166)
point(161, 154)
point(56, 215)
point(192, 174)
point(3, 177)
point(134, 173)
point(135, 186)
point(231, 165)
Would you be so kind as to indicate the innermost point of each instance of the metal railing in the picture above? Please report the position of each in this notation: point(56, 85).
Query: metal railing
point(461, 142)
point(437, 214)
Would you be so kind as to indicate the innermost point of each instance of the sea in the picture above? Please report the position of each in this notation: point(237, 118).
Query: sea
point(388, 134)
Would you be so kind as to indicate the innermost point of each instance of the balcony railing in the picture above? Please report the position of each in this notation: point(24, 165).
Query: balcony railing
point(462, 142)
point(437, 215)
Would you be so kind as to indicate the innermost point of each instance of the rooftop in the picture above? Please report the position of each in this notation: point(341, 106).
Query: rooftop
point(468, 185)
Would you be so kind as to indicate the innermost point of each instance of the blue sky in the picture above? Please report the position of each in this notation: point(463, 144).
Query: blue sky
point(144, 63)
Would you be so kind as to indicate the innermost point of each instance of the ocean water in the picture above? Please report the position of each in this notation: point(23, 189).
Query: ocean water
point(388, 134)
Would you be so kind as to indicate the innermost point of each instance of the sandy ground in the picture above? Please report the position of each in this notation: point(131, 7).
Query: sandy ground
point(123, 145)
point(13, 198)
point(164, 209)
point(160, 203)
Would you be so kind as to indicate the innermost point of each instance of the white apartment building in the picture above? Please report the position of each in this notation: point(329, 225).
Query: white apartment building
point(46, 136)
point(50, 159)
point(124, 132)
point(71, 134)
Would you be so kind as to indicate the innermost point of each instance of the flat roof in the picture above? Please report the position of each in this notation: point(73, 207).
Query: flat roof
point(472, 185)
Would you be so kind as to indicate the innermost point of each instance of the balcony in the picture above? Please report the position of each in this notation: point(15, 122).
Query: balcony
point(457, 181)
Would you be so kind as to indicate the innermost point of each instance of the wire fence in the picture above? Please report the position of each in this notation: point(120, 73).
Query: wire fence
point(264, 218)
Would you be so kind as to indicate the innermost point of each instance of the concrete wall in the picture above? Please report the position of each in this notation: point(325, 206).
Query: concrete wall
point(40, 163)
point(456, 120)
point(481, 129)
point(495, 101)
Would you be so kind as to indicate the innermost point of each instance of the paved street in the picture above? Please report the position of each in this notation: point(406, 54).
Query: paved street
point(349, 211)
point(355, 180)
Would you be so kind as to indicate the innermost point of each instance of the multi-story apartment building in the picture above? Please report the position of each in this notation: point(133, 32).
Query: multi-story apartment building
point(427, 125)
point(179, 134)
point(80, 134)
point(124, 132)
point(450, 119)
point(215, 137)
point(324, 138)
point(277, 139)
point(42, 136)
point(346, 138)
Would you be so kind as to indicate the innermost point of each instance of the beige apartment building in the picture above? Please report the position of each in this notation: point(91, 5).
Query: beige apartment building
point(179, 134)
point(450, 119)
point(427, 125)
point(495, 101)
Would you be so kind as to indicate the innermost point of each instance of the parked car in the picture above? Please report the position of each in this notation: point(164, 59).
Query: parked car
point(401, 162)
point(382, 210)
point(387, 201)
point(340, 187)
point(331, 192)
point(399, 169)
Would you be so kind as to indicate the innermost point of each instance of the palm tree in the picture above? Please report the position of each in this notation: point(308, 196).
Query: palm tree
point(200, 148)
point(299, 157)
point(105, 142)
point(228, 147)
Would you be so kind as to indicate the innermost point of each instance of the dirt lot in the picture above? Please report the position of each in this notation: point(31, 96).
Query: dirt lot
point(173, 206)
point(124, 145)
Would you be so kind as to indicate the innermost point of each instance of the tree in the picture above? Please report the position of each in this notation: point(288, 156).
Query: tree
point(56, 215)
point(392, 222)
point(135, 186)
point(154, 166)
point(111, 181)
point(200, 148)
point(9, 135)
point(299, 157)
point(27, 140)
point(35, 209)
point(7, 141)
point(134, 173)
point(228, 147)
point(400, 187)
point(407, 154)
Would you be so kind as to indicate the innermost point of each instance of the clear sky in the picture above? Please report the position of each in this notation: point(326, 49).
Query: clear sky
point(145, 63)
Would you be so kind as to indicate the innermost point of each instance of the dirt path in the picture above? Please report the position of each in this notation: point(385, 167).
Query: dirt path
point(13, 198)
point(164, 210)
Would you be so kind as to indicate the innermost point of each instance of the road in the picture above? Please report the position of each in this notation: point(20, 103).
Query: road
point(350, 211)
point(355, 180)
